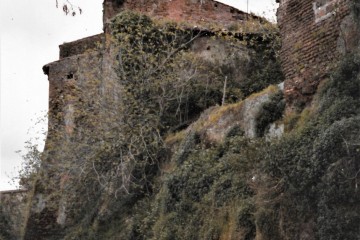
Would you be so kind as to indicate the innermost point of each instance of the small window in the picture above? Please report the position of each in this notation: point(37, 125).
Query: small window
point(216, 5)
point(70, 76)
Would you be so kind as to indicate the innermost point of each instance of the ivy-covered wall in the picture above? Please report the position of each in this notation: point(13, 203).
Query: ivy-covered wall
point(110, 109)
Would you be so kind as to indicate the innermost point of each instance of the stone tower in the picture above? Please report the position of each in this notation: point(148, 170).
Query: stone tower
point(69, 81)
point(314, 34)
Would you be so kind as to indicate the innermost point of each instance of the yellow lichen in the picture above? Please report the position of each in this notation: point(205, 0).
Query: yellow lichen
point(176, 137)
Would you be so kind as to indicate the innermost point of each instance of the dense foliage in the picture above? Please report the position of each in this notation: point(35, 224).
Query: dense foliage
point(113, 158)
point(305, 184)
point(6, 229)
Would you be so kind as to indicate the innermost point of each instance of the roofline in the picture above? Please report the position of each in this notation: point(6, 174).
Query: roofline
point(234, 8)
point(13, 191)
point(238, 9)
point(224, 4)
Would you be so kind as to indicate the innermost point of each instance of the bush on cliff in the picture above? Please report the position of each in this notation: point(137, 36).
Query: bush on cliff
point(315, 169)
point(303, 185)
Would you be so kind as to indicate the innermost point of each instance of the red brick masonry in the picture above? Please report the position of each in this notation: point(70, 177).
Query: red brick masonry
point(192, 11)
point(310, 32)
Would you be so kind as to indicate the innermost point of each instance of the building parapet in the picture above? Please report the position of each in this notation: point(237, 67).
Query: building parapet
point(196, 12)
point(81, 46)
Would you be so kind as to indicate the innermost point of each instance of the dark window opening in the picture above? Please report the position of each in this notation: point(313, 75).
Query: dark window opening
point(215, 5)
point(208, 48)
point(70, 76)
point(232, 10)
point(119, 2)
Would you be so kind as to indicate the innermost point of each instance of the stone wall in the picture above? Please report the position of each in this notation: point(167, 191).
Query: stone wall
point(12, 208)
point(196, 12)
point(75, 82)
point(81, 46)
point(312, 40)
point(68, 78)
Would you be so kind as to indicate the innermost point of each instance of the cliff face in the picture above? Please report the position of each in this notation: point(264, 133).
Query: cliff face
point(140, 148)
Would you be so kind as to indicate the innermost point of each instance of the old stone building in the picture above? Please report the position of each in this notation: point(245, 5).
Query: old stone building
point(75, 57)
point(314, 33)
point(85, 71)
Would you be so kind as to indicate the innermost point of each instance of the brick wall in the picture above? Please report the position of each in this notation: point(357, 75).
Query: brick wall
point(81, 46)
point(311, 43)
point(197, 12)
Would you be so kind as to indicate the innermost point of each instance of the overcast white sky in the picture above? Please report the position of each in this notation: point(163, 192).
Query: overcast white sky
point(30, 32)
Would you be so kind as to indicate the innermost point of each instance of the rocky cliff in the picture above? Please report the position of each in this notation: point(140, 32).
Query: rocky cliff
point(159, 130)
